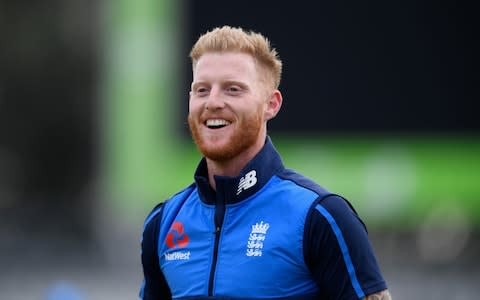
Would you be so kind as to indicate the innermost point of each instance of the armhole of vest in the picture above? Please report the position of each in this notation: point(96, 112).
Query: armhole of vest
point(157, 232)
point(156, 221)
point(306, 229)
point(308, 220)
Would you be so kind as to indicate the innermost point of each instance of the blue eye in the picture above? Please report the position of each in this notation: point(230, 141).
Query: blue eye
point(233, 89)
point(201, 91)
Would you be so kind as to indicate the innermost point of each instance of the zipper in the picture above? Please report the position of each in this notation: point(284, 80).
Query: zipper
point(219, 215)
point(214, 261)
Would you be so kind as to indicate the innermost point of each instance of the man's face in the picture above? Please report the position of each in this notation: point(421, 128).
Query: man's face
point(227, 105)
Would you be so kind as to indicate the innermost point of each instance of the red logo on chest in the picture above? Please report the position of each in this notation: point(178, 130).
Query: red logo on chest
point(176, 237)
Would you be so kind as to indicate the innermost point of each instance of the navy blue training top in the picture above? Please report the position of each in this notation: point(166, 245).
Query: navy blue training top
point(269, 233)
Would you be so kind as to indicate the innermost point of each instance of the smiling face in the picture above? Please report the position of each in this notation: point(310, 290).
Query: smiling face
point(229, 106)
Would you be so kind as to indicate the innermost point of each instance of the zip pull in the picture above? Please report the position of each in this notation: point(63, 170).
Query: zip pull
point(217, 230)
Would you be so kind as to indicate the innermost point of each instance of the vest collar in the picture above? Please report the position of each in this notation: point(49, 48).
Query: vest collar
point(252, 178)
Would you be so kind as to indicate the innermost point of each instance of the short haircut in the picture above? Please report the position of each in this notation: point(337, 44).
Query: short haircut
point(230, 39)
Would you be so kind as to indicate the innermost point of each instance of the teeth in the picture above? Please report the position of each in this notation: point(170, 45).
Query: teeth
point(217, 122)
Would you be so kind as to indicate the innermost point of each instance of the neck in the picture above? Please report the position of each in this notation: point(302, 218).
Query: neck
point(234, 166)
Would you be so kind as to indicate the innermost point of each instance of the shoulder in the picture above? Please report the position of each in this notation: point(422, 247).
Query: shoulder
point(303, 182)
point(156, 213)
point(298, 186)
point(333, 215)
point(337, 212)
point(327, 205)
point(327, 211)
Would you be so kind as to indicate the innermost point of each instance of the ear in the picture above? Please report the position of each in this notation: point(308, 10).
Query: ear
point(274, 103)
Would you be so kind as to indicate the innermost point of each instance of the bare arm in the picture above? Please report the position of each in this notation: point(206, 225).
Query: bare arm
point(383, 295)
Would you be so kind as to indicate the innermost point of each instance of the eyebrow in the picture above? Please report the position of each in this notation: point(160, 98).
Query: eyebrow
point(196, 84)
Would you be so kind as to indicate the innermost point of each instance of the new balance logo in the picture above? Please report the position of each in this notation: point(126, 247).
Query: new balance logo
point(247, 181)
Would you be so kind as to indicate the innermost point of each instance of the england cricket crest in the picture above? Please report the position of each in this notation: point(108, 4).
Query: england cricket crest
point(256, 239)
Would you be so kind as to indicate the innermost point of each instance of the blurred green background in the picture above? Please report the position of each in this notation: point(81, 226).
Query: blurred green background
point(392, 182)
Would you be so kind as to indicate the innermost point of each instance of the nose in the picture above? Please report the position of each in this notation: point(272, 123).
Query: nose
point(215, 100)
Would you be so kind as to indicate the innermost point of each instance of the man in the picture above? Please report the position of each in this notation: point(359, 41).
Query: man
point(248, 228)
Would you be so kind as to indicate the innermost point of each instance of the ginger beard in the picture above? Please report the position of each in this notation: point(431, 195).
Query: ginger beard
point(245, 134)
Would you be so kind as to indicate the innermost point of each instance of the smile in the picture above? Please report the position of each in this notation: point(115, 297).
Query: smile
point(216, 123)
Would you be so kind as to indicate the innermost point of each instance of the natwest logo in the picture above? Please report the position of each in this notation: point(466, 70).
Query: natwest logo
point(177, 255)
point(176, 237)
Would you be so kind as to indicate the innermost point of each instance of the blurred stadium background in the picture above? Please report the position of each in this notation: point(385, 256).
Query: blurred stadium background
point(379, 106)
